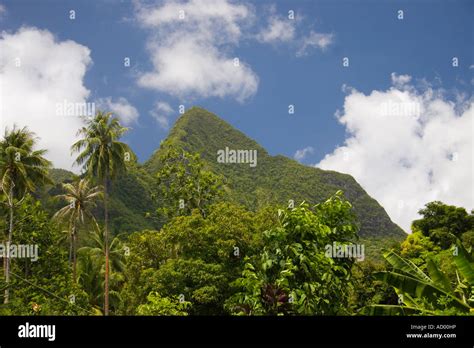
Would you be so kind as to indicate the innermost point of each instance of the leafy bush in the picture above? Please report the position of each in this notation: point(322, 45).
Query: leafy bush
point(293, 274)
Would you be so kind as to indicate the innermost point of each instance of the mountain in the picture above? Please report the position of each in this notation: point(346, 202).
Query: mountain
point(274, 179)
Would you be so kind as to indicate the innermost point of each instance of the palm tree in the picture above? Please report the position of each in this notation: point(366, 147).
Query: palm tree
point(80, 197)
point(21, 169)
point(103, 157)
point(91, 265)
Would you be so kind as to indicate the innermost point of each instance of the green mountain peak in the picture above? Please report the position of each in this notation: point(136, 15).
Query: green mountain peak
point(274, 179)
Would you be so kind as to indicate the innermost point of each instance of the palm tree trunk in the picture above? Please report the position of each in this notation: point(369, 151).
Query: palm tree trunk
point(106, 237)
point(7, 259)
point(74, 257)
point(70, 248)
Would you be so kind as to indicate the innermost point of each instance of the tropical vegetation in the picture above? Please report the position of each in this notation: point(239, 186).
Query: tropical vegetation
point(184, 235)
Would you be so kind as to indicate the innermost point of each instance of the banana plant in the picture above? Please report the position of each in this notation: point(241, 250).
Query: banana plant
point(421, 293)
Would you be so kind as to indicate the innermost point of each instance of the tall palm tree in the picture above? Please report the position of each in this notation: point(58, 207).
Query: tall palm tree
point(103, 158)
point(21, 169)
point(92, 265)
point(80, 198)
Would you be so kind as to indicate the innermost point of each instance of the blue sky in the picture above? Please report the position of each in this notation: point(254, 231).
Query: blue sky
point(420, 46)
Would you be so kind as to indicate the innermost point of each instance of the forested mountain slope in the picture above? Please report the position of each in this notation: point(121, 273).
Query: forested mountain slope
point(275, 179)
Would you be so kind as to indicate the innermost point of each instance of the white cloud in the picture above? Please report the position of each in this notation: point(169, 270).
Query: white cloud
point(277, 30)
point(192, 56)
point(301, 154)
point(314, 40)
point(121, 108)
point(407, 148)
point(400, 80)
point(281, 29)
point(3, 10)
point(161, 113)
point(49, 73)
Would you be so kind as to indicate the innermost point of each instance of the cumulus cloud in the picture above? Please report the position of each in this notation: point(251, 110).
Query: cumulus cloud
point(161, 113)
point(190, 45)
point(314, 40)
point(285, 30)
point(407, 147)
point(400, 80)
point(39, 74)
point(279, 29)
point(121, 108)
point(302, 153)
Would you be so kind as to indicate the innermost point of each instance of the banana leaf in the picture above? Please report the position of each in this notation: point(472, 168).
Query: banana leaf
point(417, 288)
point(462, 263)
point(438, 277)
point(407, 300)
point(405, 266)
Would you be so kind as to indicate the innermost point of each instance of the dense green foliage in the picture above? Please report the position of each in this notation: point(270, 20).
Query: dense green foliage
point(193, 256)
point(432, 272)
point(247, 240)
point(44, 286)
point(443, 223)
point(184, 185)
point(22, 169)
point(158, 305)
point(293, 274)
